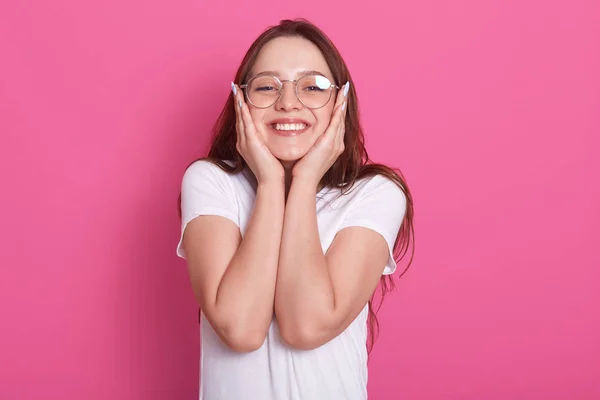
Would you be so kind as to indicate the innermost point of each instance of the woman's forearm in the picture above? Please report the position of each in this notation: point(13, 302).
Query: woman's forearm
point(246, 292)
point(304, 297)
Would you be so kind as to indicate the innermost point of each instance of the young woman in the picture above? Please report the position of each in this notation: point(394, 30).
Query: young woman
point(287, 228)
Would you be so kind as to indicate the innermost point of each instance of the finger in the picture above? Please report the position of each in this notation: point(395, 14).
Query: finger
point(342, 130)
point(333, 136)
point(241, 131)
point(339, 104)
point(249, 127)
point(339, 136)
point(343, 119)
point(342, 101)
point(342, 125)
point(338, 117)
point(340, 95)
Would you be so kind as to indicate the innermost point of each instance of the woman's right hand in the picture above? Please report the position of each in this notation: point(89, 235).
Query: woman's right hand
point(266, 168)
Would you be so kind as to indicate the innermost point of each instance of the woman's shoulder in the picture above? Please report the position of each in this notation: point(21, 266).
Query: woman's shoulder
point(373, 182)
point(378, 188)
point(206, 167)
point(206, 164)
point(205, 171)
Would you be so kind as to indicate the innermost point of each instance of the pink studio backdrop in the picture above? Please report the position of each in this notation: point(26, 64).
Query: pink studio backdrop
point(490, 108)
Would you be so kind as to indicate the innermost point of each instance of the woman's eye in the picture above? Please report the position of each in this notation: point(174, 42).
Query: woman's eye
point(265, 88)
point(313, 88)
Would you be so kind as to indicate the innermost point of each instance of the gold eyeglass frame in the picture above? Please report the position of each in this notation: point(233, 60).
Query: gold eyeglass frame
point(281, 82)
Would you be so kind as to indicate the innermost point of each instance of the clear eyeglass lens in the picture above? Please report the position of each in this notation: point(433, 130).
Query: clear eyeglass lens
point(314, 90)
point(264, 91)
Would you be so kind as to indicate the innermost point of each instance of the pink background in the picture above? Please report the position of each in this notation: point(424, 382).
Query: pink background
point(490, 108)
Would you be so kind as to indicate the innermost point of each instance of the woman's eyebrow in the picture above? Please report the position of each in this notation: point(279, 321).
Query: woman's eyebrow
point(265, 73)
point(310, 72)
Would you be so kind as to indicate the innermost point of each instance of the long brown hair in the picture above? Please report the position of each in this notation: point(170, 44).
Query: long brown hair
point(353, 164)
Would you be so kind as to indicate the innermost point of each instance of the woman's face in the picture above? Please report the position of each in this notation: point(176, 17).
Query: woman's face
point(288, 58)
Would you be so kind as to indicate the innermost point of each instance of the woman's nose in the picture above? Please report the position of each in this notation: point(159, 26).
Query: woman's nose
point(287, 97)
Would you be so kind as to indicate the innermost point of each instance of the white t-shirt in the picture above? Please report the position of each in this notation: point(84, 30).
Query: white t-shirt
point(336, 370)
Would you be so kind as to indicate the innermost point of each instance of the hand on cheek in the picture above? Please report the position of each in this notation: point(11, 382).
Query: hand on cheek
point(251, 146)
point(328, 147)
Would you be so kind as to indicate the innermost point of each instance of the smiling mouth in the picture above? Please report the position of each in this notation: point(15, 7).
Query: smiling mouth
point(288, 129)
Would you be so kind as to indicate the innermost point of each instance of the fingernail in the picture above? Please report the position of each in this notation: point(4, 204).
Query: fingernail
point(346, 89)
point(233, 89)
point(240, 104)
point(344, 106)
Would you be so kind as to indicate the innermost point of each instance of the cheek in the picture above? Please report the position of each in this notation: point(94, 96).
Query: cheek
point(322, 119)
point(258, 116)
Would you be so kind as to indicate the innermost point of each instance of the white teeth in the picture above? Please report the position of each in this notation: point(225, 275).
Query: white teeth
point(289, 127)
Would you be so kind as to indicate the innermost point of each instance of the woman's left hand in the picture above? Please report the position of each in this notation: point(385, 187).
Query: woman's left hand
point(328, 147)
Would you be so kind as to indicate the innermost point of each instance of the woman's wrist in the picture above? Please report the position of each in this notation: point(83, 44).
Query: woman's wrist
point(305, 183)
point(272, 186)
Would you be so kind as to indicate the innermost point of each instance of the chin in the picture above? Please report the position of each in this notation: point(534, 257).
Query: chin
point(289, 154)
point(290, 149)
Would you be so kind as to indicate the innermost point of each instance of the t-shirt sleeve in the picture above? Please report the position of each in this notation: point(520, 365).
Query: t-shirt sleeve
point(381, 206)
point(205, 190)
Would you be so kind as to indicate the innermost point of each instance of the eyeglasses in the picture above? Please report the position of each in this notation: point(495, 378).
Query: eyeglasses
point(313, 90)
